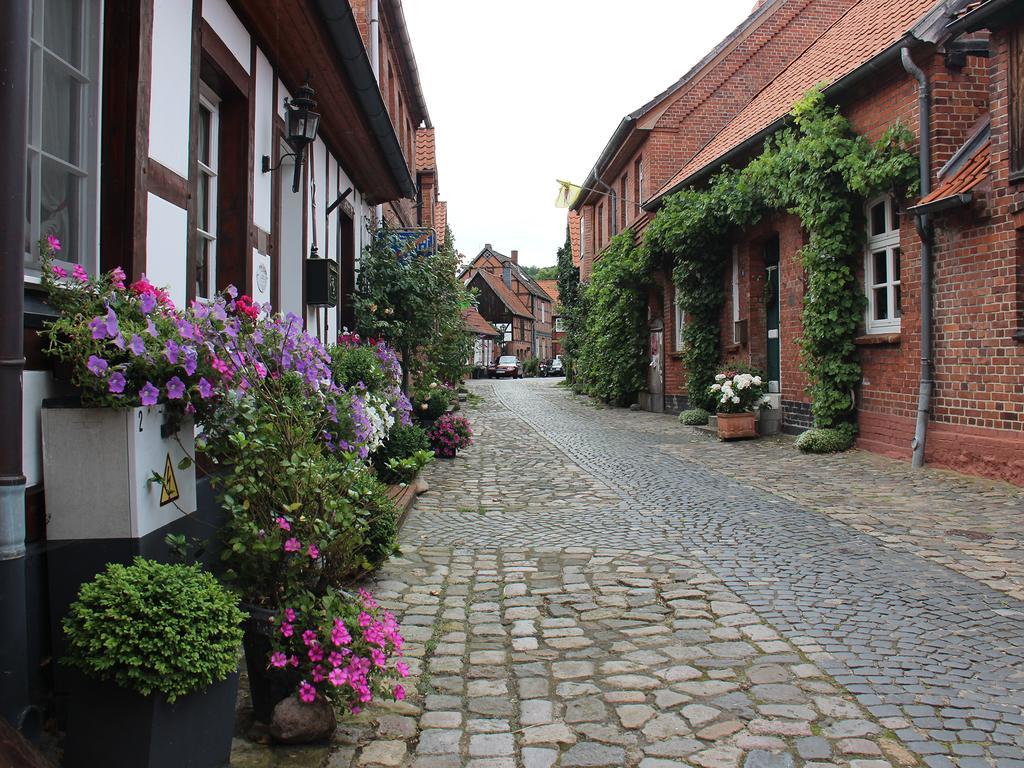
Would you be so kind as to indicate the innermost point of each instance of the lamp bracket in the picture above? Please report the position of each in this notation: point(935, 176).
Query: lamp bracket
point(266, 162)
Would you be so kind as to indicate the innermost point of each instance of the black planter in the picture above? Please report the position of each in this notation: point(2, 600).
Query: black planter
point(113, 727)
point(267, 686)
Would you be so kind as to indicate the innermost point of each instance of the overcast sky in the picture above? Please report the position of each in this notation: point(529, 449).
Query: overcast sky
point(528, 92)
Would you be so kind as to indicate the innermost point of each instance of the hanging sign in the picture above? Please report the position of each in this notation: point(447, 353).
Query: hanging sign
point(416, 241)
point(169, 484)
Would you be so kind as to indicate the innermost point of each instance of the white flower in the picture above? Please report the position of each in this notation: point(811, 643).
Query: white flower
point(757, 379)
point(720, 377)
point(742, 383)
point(716, 387)
point(736, 400)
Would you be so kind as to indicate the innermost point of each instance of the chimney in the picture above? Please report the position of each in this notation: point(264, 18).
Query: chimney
point(506, 274)
point(487, 246)
point(515, 257)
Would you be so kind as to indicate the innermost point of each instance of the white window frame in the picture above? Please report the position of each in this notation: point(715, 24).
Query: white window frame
point(583, 235)
point(889, 242)
point(90, 77)
point(559, 324)
point(209, 101)
point(735, 294)
point(640, 182)
point(679, 322)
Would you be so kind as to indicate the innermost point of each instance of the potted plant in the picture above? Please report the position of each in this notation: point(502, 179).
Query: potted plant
point(158, 648)
point(449, 435)
point(738, 396)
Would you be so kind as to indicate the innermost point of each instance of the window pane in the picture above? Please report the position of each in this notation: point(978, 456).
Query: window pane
point(62, 29)
point(880, 274)
point(61, 112)
point(894, 208)
point(898, 300)
point(881, 304)
point(204, 135)
point(202, 267)
point(202, 204)
point(895, 265)
point(59, 207)
point(878, 219)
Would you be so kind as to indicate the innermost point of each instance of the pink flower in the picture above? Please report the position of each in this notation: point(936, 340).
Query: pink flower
point(313, 552)
point(289, 614)
point(307, 692)
point(53, 242)
point(117, 277)
point(315, 652)
point(59, 272)
point(367, 599)
point(293, 660)
point(79, 273)
point(287, 629)
point(402, 668)
point(335, 659)
point(317, 674)
point(309, 637)
point(337, 677)
point(283, 524)
point(365, 619)
point(292, 545)
point(278, 659)
point(399, 693)
point(378, 657)
point(340, 635)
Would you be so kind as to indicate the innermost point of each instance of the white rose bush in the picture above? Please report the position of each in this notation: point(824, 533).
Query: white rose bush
point(736, 392)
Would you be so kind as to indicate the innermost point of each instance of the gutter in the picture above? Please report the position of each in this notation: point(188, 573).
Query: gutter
point(847, 81)
point(14, 662)
point(607, 154)
point(980, 16)
point(943, 204)
point(348, 42)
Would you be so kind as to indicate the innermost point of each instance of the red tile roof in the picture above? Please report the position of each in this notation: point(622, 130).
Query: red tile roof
point(550, 288)
point(426, 156)
point(475, 323)
point(863, 32)
point(440, 220)
point(969, 176)
point(574, 237)
point(504, 293)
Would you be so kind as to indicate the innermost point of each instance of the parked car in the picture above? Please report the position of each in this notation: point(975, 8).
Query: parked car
point(555, 367)
point(507, 365)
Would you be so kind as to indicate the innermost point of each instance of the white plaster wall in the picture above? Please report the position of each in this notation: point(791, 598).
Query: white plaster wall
point(225, 23)
point(291, 253)
point(282, 94)
point(263, 135)
point(170, 100)
point(167, 247)
point(37, 386)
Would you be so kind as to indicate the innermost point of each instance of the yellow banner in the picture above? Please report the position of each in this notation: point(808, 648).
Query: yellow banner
point(567, 192)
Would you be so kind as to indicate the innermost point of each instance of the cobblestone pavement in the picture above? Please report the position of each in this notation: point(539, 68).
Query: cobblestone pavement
point(599, 587)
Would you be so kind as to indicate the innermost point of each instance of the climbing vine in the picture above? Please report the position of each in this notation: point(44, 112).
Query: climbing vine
point(610, 362)
point(818, 169)
point(570, 312)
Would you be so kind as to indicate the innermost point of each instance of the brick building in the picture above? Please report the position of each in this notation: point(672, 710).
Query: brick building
point(972, 58)
point(537, 339)
point(551, 289)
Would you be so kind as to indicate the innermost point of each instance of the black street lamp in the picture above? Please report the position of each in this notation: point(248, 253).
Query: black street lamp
point(301, 123)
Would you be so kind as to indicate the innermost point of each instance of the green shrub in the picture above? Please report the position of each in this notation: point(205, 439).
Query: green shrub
point(353, 364)
point(380, 539)
point(694, 417)
point(155, 627)
point(531, 367)
point(402, 444)
point(825, 440)
point(429, 402)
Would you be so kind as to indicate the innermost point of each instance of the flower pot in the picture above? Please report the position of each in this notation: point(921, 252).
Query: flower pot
point(732, 426)
point(117, 728)
point(97, 465)
point(267, 685)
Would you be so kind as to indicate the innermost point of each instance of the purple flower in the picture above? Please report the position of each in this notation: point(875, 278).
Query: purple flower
point(149, 394)
point(99, 327)
point(219, 313)
point(117, 277)
point(187, 330)
point(191, 358)
point(200, 310)
point(175, 388)
point(171, 350)
point(205, 388)
point(147, 302)
point(232, 292)
point(96, 365)
point(137, 346)
point(118, 341)
point(112, 329)
point(116, 382)
point(151, 328)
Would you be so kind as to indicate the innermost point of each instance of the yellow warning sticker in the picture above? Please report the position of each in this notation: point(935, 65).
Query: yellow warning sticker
point(170, 483)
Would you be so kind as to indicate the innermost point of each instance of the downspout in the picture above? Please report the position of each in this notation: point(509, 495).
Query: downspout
point(924, 231)
point(14, 36)
point(374, 8)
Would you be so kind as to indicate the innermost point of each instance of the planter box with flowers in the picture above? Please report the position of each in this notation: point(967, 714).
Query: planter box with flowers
point(738, 396)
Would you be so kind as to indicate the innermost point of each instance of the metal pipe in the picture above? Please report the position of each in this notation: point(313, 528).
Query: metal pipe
point(375, 38)
point(924, 232)
point(14, 53)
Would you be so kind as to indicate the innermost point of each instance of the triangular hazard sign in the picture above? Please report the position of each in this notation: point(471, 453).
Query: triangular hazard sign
point(170, 483)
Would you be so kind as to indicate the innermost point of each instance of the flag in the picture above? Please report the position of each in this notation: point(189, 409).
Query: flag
point(567, 192)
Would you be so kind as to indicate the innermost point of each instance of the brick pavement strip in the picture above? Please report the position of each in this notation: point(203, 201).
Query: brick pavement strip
point(594, 587)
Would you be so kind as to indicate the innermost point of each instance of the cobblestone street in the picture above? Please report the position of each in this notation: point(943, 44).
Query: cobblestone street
point(601, 587)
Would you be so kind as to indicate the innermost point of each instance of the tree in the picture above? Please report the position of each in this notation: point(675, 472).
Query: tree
point(542, 273)
point(571, 311)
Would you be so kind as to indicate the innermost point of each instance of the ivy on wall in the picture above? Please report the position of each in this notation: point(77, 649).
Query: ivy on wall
point(610, 362)
point(818, 169)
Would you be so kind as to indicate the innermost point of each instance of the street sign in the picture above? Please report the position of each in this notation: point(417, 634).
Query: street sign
point(416, 241)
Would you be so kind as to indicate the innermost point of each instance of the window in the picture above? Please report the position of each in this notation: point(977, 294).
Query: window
point(600, 228)
point(208, 151)
point(613, 228)
point(624, 196)
point(680, 322)
point(882, 266)
point(638, 184)
point(559, 325)
point(583, 236)
point(735, 295)
point(1017, 103)
point(543, 312)
point(63, 136)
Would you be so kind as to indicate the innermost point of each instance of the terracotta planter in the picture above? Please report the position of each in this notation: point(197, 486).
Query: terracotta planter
point(732, 426)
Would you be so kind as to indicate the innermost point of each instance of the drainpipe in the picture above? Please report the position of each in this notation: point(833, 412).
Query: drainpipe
point(374, 11)
point(14, 35)
point(924, 232)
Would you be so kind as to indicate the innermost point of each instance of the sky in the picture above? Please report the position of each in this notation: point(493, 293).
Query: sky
point(524, 93)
